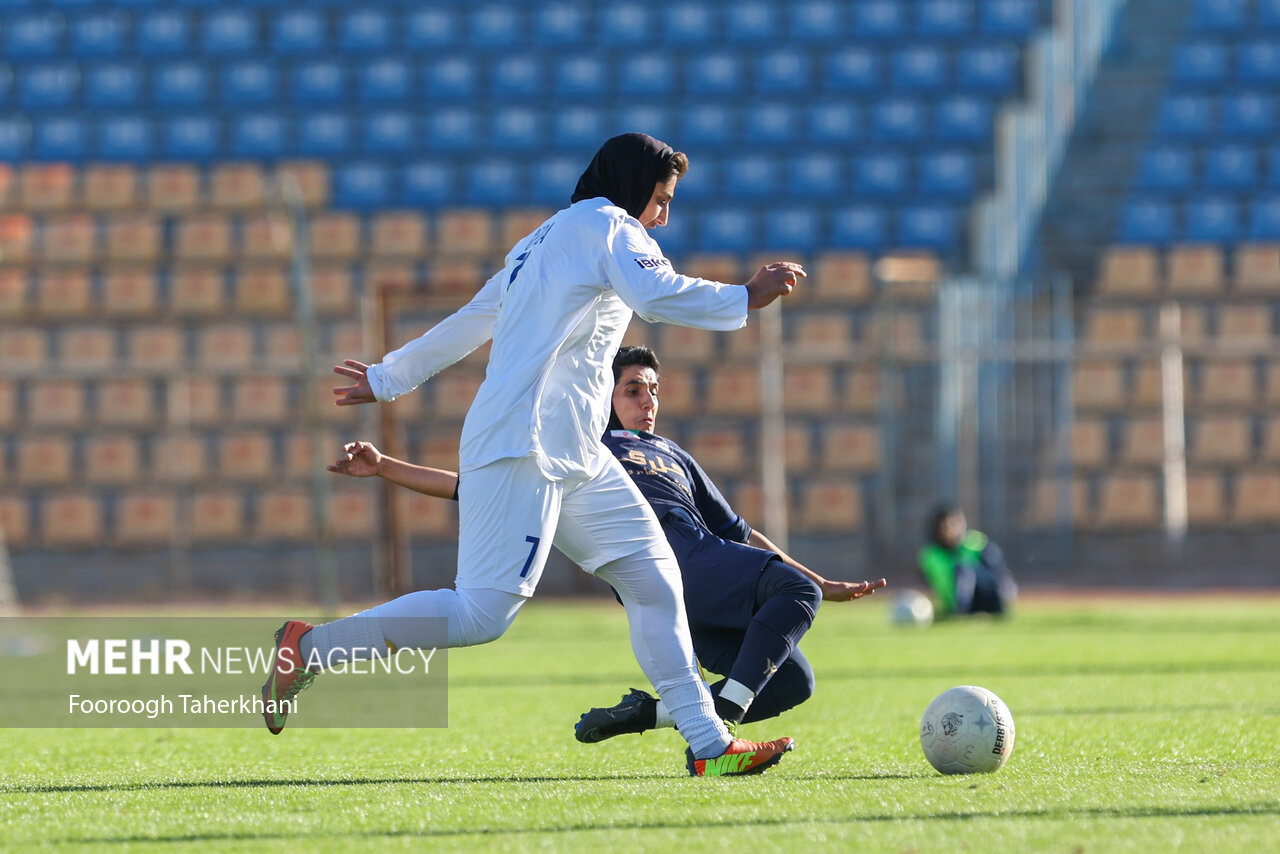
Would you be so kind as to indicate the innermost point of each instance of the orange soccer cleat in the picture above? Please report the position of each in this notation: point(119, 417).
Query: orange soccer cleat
point(288, 675)
point(740, 758)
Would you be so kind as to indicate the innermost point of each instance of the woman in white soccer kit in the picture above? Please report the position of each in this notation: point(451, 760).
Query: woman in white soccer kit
point(535, 468)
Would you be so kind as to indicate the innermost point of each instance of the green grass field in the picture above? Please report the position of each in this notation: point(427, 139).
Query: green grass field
point(1142, 725)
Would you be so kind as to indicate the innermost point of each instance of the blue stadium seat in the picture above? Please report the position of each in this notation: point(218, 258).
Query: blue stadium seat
point(452, 79)
point(919, 68)
point(299, 32)
point(928, 226)
point(427, 184)
point(494, 182)
point(1258, 63)
point(836, 123)
point(1166, 168)
point(72, 5)
point(1212, 220)
point(259, 136)
point(1268, 14)
point(1248, 115)
point(98, 35)
point(552, 182)
point(881, 175)
point(33, 36)
point(752, 176)
point(1264, 218)
point(131, 5)
point(560, 25)
point(578, 129)
point(45, 88)
point(646, 75)
point(793, 228)
point(625, 24)
point(817, 176)
point(390, 132)
point(15, 139)
point(964, 119)
point(880, 21)
point(363, 185)
point(1145, 220)
point(320, 82)
point(325, 134)
point(250, 83)
point(704, 182)
point(773, 125)
point(230, 32)
point(1011, 19)
point(1186, 117)
point(163, 33)
point(899, 120)
point(994, 69)
point(676, 237)
point(192, 137)
point(944, 19)
point(584, 77)
point(859, 226)
point(653, 119)
point(1273, 173)
point(1221, 16)
point(1201, 62)
point(518, 77)
point(495, 27)
point(751, 22)
point(708, 126)
point(518, 129)
point(180, 84)
point(61, 138)
point(430, 30)
point(947, 175)
point(689, 24)
point(716, 74)
point(726, 230)
point(366, 31)
point(816, 22)
point(852, 70)
point(197, 4)
point(386, 80)
point(125, 139)
point(1231, 167)
point(783, 72)
point(114, 86)
point(453, 129)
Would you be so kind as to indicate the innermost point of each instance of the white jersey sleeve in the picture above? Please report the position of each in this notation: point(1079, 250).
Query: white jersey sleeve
point(445, 343)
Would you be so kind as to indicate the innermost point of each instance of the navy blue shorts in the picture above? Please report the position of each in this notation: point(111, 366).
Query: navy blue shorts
point(720, 576)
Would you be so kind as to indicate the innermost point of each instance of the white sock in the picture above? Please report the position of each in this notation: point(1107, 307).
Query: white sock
point(664, 719)
point(694, 713)
point(354, 638)
point(737, 693)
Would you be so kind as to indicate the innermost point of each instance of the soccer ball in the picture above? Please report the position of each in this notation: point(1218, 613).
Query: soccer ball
point(912, 608)
point(967, 730)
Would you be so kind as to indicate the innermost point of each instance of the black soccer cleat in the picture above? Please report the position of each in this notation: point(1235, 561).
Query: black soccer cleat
point(636, 712)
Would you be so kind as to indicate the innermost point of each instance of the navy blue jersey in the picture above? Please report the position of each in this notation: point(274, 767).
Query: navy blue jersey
point(671, 479)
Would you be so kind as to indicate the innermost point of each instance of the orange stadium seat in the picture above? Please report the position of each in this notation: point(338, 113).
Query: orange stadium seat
point(111, 459)
point(797, 444)
point(1271, 439)
point(1090, 443)
point(204, 236)
point(452, 393)
point(469, 233)
point(217, 515)
point(1107, 326)
point(841, 277)
point(733, 389)
point(88, 347)
point(261, 400)
point(1256, 497)
point(1129, 271)
point(516, 225)
point(196, 290)
point(809, 389)
point(1099, 384)
point(179, 458)
point(300, 460)
point(45, 187)
point(741, 345)
point(333, 288)
point(1053, 502)
point(399, 234)
point(282, 343)
point(719, 450)
point(25, 347)
point(861, 389)
point(245, 456)
point(1245, 322)
point(146, 518)
point(1206, 498)
point(1148, 382)
point(266, 236)
point(73, 519)
point(237, 186)
point(425, 516)
point(830, 506)
point(130, 292)
point(261, 291)
point(1129, 500)
point(225, 346)
point(336, 236)
point(311, 179)
point(826, 335)
point(15, 519)
point(8, 403)
point(283, 514)
point(55, 403)
point(44, 459)
point(352, 513)
point(403, 276)
point(748, 501)
point(1142, 441)
point(1257, 269)
point(1220, 439)
point(1195, 271)
point(173, 187)
point(17, 238)
point(195, 400)
point(110, 187)
point(1227, 381)
point(677, 392)
point(8, 186)
point(1272, 382)
point(716, 267)
point(156, 347)
point(64, 293)
point(850, 447)
point(684, 344)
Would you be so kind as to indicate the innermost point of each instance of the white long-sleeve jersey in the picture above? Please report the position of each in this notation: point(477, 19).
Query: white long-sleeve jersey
point(557, 312)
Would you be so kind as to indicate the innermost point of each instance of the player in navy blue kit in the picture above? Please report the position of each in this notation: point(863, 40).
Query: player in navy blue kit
point(748, 602)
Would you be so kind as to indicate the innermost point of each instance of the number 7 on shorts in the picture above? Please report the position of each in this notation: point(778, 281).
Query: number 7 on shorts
point(533, 550)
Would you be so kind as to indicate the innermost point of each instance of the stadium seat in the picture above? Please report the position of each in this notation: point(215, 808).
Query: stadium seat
point(964, 119)
point(928, 226)
point(229, 33)
point(1201, 63)
point(752, 176)
point(284, 513)
point(780, 72)
point(879, 22)
point(853, 448)
point(919, 68)
point(831, 506)
point(453, 129)
point(1268, 14)
point(1231, 167)
point(216, 515)
point(815, 176)
point(993, 69)
point(1258, 63)
point(1206, 498)
point(390, 132)
point(726, 230)
point(1184, 116)
point(751, 22)
point(1248, 115)
point(1227, 382)
point(431, 30)
point(366, 31)
point(109, 187)
point(494, 182)
point(1108, 326)
point(627, 24)
point(1212, 220)
point(1255, 498)
point(426, 184)
point(62, 138)
point(163, 33)
point(859, 226)
point(517, 128)
point(262, 136)
point(15, 139)
point(1220, 16)
point(156, 347)
point(816, 22)
point(111, 459)
point(707, 126)
point(401, 234)
point(194, 137)
point(899, 120)
point(853, 69)
point(583, 77)
point(882, 175)
point(46, 187)
point(1264, 218)
point(56, 403)
point(1245, 323)
point(387, 80)
point(944, 19)
point(659, 120)
point(452, 79)
point(1166, 168)
point(1147, 221)
point(690, 24)
point(249, 83)
point(99, 35)
point(125, 402)
point(134, 240)
point(173, 186)
point(715, 74)
point(325, 134)
point(1011, 19)
point(299, 32)
point(1220, 439)
point(1195, 270)
point(362, 185)
point(798, 229)
point(560, 25)
point(319, 82)
point(1257, 266)
point(180, 84)
point(33, 36)
point(518, 77)
point(1128, 500)
point(261, 400)
point(645, 75)
point(86, 347)
point(946, 174)
point(145, 517)
point(69, 238)
point(494, 27)
point(48, 87)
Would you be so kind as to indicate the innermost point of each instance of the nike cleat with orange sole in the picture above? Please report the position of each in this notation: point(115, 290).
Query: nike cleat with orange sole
point(288, 676)
point(740, 758)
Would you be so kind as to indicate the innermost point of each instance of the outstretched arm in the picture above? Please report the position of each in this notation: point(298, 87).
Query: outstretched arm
point(362, 459)
point(836, 591)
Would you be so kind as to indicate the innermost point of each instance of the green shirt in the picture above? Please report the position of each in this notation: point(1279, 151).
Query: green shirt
point(939, 566)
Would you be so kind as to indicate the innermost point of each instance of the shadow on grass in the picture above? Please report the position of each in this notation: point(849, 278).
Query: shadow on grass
point(1095, 813)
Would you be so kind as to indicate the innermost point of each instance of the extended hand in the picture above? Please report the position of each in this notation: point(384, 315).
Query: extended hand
point(359, 459)
point(359, 391)
point(772, 281)
point(843, 591)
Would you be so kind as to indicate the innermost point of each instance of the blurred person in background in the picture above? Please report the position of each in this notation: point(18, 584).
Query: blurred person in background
point(965, 570)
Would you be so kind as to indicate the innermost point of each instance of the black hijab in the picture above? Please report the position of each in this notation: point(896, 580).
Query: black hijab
point(625, 171)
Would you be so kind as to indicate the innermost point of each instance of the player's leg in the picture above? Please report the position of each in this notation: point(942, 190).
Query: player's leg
point(790, 686)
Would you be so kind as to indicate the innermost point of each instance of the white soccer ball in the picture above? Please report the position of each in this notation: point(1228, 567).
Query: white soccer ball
point(912, 608)
point(967, 730)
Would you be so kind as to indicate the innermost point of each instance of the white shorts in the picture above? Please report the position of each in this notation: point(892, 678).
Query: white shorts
point(510, 514)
